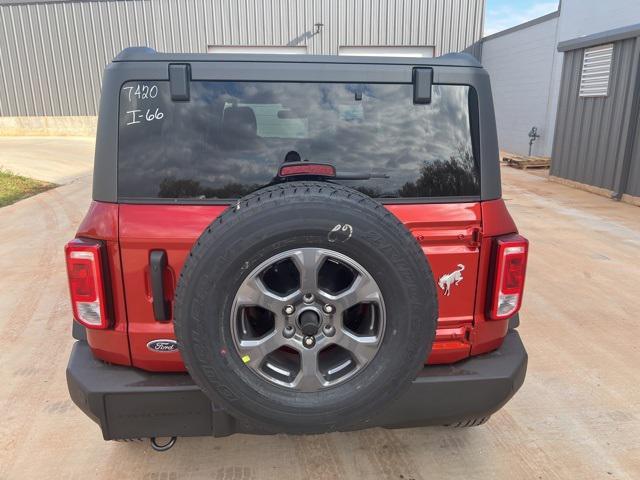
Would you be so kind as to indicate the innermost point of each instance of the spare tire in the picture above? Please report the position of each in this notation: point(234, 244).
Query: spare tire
point(304, 308)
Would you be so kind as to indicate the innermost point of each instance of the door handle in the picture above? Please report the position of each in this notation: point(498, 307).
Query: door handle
point(158, 264)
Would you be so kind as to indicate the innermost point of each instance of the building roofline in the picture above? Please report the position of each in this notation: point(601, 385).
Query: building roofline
point(30, 2)
point(594, 39)
point(522, 26)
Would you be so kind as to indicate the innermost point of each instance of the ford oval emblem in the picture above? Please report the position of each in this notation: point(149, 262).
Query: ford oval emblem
point(163, 345)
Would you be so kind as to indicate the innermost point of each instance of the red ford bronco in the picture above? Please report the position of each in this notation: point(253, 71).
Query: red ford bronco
point(294, 244)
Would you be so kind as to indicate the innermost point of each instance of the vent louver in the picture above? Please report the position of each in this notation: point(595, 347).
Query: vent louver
point(596, 71)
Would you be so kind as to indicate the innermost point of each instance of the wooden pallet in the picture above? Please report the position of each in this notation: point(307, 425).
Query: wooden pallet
point(523, 162)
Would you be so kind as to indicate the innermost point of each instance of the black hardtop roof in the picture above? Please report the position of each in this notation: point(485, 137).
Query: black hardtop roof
point(145, 64)
point(145, 54)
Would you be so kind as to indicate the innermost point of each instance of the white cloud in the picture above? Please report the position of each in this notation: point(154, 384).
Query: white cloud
point(501, 18)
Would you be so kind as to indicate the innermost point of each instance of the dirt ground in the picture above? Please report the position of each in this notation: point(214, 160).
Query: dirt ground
point(577, 415)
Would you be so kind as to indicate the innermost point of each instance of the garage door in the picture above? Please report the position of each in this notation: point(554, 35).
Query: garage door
point(387, 51)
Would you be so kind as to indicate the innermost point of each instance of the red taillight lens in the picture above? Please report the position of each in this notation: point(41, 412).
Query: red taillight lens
point(508, 282)
point(307, 169)
point(86, 282)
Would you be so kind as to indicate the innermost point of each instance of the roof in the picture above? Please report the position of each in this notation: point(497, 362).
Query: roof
point(594, 39)
point(522, 26)
point(145, 54)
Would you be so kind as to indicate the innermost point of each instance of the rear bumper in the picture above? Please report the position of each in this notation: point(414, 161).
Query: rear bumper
point(130, 403)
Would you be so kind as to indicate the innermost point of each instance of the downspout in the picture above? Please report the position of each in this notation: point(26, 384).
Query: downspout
point(549, 115)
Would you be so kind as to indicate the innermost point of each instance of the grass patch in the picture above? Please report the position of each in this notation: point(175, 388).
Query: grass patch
point(16, 187)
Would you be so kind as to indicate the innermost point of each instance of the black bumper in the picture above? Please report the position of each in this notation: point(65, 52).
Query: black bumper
point(131, 403)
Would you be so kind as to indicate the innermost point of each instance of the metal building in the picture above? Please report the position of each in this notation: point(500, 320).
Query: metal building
point(520, 61)
point(573, 74)
point(52, 53)
point(597, 137)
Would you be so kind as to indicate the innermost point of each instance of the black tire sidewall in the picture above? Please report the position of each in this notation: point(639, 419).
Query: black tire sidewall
point(228, 252)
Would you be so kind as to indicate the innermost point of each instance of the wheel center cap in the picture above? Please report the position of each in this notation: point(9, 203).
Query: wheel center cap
point(309, 322)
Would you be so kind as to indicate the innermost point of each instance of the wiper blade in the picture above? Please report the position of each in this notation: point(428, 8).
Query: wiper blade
point(359, 176)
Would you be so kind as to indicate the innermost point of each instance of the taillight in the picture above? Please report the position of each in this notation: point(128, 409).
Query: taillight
point(508, 282)
point(304, 168)
point(85, 270)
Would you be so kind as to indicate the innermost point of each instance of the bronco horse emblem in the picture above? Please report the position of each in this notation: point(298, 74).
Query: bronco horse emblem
point(448, 279)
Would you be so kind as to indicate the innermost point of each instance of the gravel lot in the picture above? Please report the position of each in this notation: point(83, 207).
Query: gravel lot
point(577, 415)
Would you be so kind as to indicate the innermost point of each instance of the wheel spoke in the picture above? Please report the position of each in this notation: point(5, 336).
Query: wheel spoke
point(253, 292)
point(308, 261)
point(309, 378)
point(362, 348)
point(253, 352)
point(362, 290)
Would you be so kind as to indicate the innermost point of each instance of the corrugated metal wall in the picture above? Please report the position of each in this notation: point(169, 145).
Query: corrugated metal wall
point(633, 179)
point(594, 135)
point(52, 54)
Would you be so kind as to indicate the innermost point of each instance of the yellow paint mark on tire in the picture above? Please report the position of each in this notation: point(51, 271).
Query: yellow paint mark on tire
point(246, 359)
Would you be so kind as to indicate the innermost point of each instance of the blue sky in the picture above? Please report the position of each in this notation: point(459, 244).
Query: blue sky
point(502, 14)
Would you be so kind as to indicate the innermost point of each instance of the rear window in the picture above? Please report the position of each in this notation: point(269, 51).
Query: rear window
point(230, 138)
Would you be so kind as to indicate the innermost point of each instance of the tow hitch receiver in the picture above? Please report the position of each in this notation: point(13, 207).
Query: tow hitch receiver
point(162, 447)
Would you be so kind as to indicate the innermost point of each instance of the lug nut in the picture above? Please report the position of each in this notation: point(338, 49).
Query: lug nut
point(329, 308)
point(308, 298)
point(329, 330)
point(309, 341)
point(288, 331)
point(289, 309)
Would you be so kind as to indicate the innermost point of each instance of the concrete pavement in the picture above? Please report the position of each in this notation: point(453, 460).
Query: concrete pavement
point(51, 159)
point(577, 415)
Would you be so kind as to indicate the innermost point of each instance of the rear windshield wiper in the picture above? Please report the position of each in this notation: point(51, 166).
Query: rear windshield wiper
point(323, 170)
point(359, 175)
